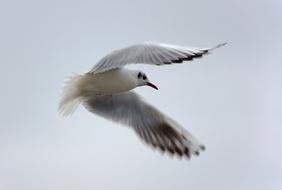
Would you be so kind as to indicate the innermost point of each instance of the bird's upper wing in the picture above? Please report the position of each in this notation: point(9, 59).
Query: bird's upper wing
point(149, 53)
point(151, 125)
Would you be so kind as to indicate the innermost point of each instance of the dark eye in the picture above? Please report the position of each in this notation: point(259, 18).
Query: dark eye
point(139, 75)
point(144, 77)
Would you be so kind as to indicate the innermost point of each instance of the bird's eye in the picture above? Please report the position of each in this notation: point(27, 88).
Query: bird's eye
point(144, 77)
point(139, 75)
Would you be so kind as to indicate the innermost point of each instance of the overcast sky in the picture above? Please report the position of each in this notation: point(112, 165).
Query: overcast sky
point(230, 99)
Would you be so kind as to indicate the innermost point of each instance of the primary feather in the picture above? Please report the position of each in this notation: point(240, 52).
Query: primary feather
point(149, 53)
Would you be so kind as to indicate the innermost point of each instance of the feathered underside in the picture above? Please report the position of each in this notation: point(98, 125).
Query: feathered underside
point(153, 127)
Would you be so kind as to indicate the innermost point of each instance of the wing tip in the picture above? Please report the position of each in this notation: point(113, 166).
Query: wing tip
point(218, 46)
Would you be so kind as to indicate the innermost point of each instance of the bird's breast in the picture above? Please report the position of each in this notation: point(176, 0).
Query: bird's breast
point(109, 82)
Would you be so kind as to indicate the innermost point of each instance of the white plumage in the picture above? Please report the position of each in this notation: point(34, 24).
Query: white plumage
point(106, 91)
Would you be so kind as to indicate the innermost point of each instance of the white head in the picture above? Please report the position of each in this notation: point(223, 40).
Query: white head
point(142, 80)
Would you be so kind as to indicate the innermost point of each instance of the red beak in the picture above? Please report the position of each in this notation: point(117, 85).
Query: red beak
point(152, 85)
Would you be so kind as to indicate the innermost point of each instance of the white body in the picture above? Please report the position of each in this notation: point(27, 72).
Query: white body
point(107, 83)
point(82, 87)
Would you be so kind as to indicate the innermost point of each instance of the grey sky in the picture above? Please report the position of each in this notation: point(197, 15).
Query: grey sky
point(230, 99)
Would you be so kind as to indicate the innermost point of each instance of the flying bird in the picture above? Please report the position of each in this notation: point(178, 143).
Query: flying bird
point(107, 90)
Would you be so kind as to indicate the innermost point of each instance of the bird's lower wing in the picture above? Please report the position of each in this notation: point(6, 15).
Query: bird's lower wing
point(151, 125)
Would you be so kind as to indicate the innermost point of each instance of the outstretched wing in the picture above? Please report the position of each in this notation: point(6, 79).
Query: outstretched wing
point(151, 125)
point(149, 53)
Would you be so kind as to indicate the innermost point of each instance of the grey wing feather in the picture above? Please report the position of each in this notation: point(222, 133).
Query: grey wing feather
point(151, 125)
point(149, 53)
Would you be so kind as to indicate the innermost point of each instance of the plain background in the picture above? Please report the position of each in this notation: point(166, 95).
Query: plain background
point(230, 99)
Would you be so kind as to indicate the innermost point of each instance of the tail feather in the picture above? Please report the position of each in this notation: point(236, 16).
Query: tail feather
point(70, 96)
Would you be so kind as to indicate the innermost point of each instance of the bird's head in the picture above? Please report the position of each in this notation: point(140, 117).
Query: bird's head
point(142, 80)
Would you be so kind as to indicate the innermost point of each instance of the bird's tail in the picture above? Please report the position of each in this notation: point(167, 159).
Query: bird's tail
point(71, 95)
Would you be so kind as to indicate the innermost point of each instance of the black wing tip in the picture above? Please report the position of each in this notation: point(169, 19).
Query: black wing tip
point(196, 55)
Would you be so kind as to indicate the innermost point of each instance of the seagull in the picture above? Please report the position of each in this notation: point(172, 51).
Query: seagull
point(107, 91)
